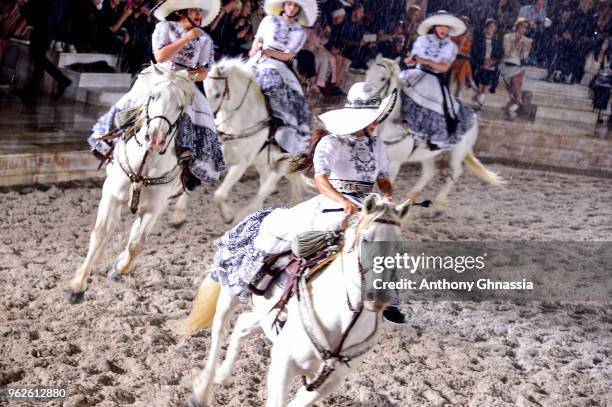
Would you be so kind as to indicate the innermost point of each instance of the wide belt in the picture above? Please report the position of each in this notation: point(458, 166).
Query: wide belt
point(352, 187)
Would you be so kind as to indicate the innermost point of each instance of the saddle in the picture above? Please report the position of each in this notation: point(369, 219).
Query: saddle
point(310, 254)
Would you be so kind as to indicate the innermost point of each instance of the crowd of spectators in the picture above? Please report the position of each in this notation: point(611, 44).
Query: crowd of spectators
point(562, 36)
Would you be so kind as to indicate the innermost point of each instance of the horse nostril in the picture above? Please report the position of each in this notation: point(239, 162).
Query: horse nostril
point(147, 137)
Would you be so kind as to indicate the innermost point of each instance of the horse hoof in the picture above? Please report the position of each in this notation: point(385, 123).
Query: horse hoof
point(177, 224)
point(74, 297)
point(114, 274)
point(193, 402)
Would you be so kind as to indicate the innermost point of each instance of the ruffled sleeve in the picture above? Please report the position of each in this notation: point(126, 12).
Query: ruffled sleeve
point(297, 39)
point(264, 27)
point(161, 35)
point(324, 156)
point(207, 54)
point(419, 47)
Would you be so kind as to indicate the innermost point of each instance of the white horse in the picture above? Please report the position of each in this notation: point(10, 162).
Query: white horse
point(242, 120)
point(326, 309)
point(384, 73)
point(144, 171)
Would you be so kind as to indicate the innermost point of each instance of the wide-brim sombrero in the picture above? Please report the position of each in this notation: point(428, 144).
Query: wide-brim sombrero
point(455, 25)
point(210, 9)
point(358, 112)
point(308, 14)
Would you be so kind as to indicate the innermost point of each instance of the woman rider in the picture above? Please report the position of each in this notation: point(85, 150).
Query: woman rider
point(279, 38)
point(433, 115)
point(347, 162)
point(179, 43)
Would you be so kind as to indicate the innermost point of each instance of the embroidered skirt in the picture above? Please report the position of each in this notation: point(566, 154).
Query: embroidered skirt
point(288, 104)
point(241, 250)
point(423, 111)
point(196, 132)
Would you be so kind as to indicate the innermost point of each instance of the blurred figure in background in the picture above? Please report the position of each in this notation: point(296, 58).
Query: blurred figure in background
point(583, 36)
point(487, 53)
point(516, 48)
point(39, 14)
point(562, 49)
point(461, 69)
point(601, 84)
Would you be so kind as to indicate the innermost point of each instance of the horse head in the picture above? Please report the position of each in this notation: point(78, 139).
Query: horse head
point(380, 221)
point(218, 88)
point(170, 94)
point(383, 74)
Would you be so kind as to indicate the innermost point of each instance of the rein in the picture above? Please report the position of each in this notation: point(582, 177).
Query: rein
point(324, 351)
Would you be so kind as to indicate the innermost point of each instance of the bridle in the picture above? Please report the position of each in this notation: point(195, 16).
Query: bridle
point(246, 132)
point(384, 91)
point(172, 126)
point(326, 352)
point(226, 93)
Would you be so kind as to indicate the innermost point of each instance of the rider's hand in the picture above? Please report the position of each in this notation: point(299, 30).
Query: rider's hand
point(409, 61)
point(349, 207)
point(194, 33)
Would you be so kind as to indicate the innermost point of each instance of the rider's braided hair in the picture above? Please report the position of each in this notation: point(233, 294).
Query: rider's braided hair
point(304, 162)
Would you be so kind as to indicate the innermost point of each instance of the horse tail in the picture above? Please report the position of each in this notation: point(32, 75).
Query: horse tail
point(204, 306)
point(483, 172)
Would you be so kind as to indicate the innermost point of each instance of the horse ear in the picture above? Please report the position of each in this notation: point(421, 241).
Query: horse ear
point(397, 60)
point(379, 57)
point(403, 208)
point(370, 203)
point(157, 69)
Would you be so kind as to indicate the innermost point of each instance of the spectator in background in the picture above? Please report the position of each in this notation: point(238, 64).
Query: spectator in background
point(223, 30)
point(507, 13)
point(325, 80)
point(354, 46)
point(334, 44)
point(461, 69)
point(583, 36)
point(139, 26)
point(516, 49)
point(414, 15)
point(601, 85)
point(391, 42)
point(535, 14)
point(39, 14)
point(562, 50)
point(244, 28)
point(487, 52)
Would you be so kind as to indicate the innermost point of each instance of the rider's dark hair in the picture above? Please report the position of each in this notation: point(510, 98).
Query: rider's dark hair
point(176, 15)
point(304, 162)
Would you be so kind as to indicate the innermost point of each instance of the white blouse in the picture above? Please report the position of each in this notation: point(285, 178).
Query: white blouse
point(434, 49)
point(278, 34)
point(196, 52)
point(351, 158)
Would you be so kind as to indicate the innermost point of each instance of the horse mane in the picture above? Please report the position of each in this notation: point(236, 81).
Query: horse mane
point(366, 220)
point(235, 65)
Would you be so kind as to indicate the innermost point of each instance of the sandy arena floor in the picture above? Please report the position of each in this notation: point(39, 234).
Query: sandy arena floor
point(115, 349)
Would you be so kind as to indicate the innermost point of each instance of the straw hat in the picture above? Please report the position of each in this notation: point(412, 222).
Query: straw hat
point(363, 107)
point(521, 20)
point(166, 7)
point(308, 13)
point(455, 25)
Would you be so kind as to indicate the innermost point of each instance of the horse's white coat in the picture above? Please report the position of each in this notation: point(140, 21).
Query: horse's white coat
point(241, 108)
point(292, 352)
point(170, 92)
point(384, 73)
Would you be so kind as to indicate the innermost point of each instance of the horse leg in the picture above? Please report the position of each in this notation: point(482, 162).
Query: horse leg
point(136, 243)
point(305, 398)
point(394, 169)
point(264, 172)
point(233, 176)
point(246, 325)
point(280, 373)
point(428, 168)
point(178, 216)
point(202, 386)
point(108, 215)
point(264, 191)
point(456, 169)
